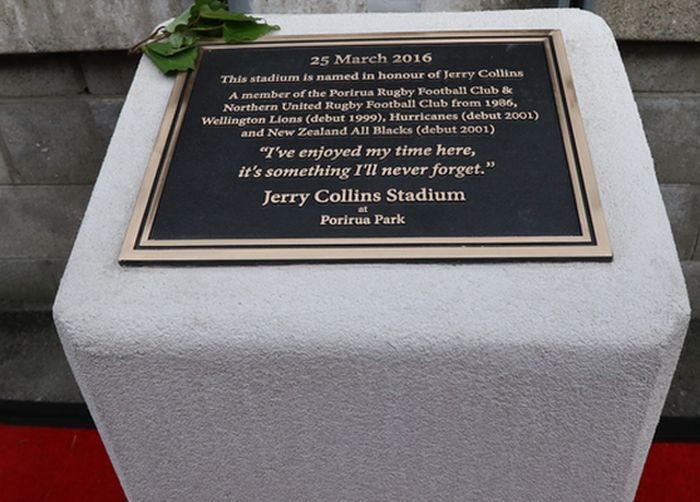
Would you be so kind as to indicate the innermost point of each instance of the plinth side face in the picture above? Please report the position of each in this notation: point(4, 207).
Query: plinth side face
point(453, 145)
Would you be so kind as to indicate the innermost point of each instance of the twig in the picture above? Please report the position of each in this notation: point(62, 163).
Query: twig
point(158, 34)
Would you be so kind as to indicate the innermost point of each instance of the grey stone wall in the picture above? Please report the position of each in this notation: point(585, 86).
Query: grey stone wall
point(75, 25)
point(57, 112)
point(677, 20)
point(60, 95)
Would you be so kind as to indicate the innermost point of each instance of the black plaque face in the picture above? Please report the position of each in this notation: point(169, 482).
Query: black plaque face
point(404, 146)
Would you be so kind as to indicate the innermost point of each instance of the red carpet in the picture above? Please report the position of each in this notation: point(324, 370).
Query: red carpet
point(55, 464)
point(68, 464)
point(672, 473)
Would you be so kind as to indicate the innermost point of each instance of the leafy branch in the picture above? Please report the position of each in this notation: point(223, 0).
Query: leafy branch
point(173, 47)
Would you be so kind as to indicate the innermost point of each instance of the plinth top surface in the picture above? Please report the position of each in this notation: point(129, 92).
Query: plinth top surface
point(639, 298)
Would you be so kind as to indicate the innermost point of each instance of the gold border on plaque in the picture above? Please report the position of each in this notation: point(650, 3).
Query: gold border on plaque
point(593, 243)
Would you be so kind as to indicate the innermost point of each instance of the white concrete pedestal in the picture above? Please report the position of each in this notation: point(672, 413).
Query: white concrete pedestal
point(471, 381)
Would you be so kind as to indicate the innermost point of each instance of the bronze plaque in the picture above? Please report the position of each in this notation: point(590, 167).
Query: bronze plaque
point(404, 146)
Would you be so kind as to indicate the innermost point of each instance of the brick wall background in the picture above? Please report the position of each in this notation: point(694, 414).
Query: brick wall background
point(61, 91)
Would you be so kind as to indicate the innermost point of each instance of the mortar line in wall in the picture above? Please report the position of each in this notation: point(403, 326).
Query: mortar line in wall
point(60, 97)
point(33, 258)
point(687, 184)
point(666, 93)
point(39, 185)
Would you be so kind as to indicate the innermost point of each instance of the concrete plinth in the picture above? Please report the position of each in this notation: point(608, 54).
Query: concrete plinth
point(385, 381)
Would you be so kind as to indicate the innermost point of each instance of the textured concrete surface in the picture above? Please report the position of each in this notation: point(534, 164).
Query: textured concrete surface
point(652, 19)
point(32, 363)
point(384, 381)
point(683, 399)
point(307, 6)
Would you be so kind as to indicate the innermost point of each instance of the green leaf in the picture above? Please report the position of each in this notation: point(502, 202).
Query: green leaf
point(181, 60)
point(207, 12)
point(176, 40)
point(213, 4)
point(173, 47)
point(210, 4)
point(240, 32)
point(180, 21)
point(166, 49)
